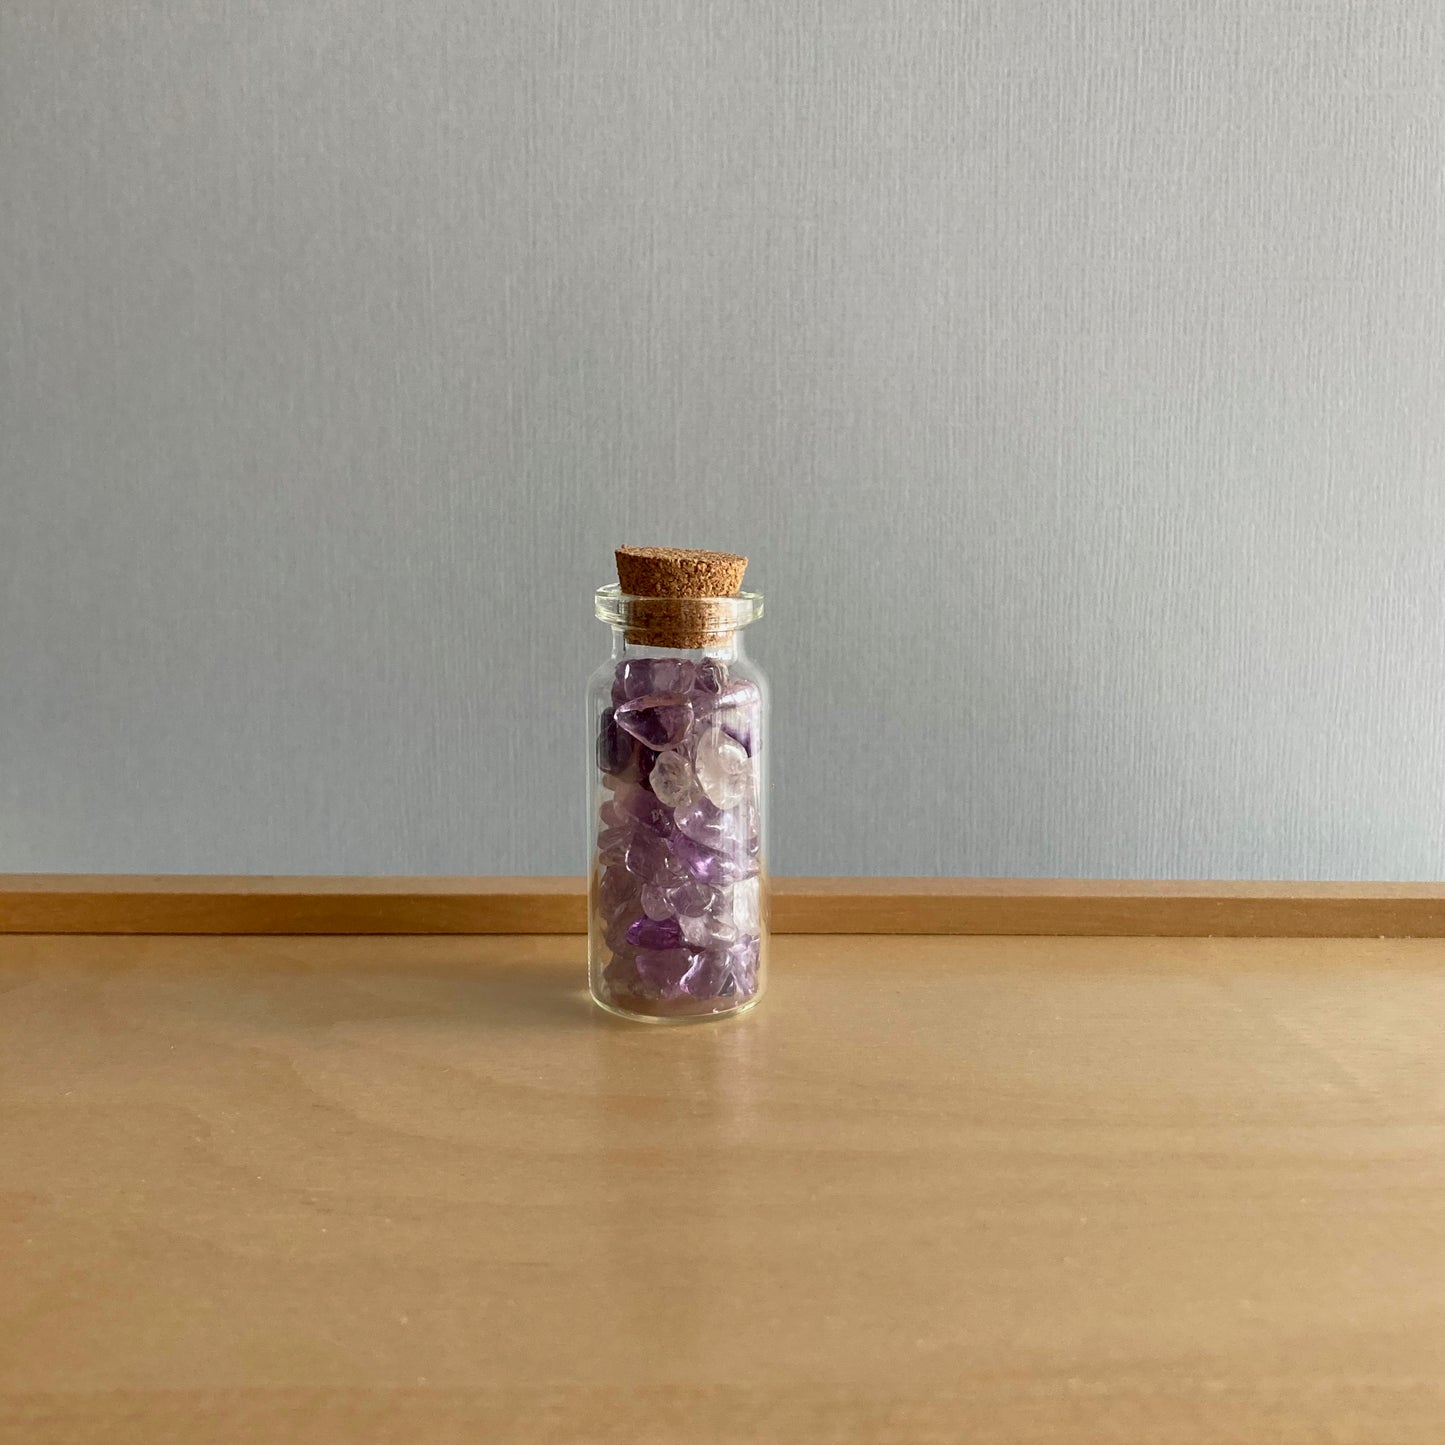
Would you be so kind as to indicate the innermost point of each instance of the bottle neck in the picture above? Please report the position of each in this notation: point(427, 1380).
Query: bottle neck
point(727, 647)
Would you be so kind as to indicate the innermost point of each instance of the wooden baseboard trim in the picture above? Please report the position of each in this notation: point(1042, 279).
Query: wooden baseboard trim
point(75, 903)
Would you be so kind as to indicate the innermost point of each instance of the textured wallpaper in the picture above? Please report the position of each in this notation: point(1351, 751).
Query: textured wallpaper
point(1073, 374)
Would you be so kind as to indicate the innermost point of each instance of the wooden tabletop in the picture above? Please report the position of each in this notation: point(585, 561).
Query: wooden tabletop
point(417, 1190)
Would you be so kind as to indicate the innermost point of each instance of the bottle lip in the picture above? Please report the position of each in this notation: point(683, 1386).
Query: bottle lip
point(702, 616)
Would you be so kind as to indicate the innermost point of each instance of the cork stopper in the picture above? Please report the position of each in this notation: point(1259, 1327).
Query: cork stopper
point(677, 572)
point(677, 594)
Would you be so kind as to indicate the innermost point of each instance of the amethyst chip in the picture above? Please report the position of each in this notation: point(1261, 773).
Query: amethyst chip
point(663, 970)
point(736, 710)
point(619, 753)
point(650, 860)
point(659, 720)
point(614, 747)
point(642, 806)
point(655, 933)
point(639, 676)
point(712, 676)
point(707, 866)
point(724, 831)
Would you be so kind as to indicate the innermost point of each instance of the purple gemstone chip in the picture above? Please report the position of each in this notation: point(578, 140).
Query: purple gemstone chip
point(662, 971)
point(735, 710)
point(619, 753)
point(710, 867)
point(614, 747)
point(712, 676)
point(659, 720)
point(655, 933)
point(639, 676)
point(642, 806)
point(731, 831)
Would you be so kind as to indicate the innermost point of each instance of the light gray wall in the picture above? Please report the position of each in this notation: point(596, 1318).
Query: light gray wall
point(1074, 374)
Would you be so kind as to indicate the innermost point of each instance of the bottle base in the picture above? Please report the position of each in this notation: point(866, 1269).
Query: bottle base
point(647, 1011)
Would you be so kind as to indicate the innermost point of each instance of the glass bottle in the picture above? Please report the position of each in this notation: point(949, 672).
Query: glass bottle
point(677, 875)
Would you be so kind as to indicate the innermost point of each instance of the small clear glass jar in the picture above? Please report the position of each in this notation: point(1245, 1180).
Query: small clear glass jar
point(677, 784)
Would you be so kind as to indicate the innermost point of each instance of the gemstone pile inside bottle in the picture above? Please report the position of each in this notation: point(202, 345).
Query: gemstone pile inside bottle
point(677, 892)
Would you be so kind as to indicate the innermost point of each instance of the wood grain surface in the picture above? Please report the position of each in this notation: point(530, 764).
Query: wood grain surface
point(86, 903)
point(1183, 1192)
